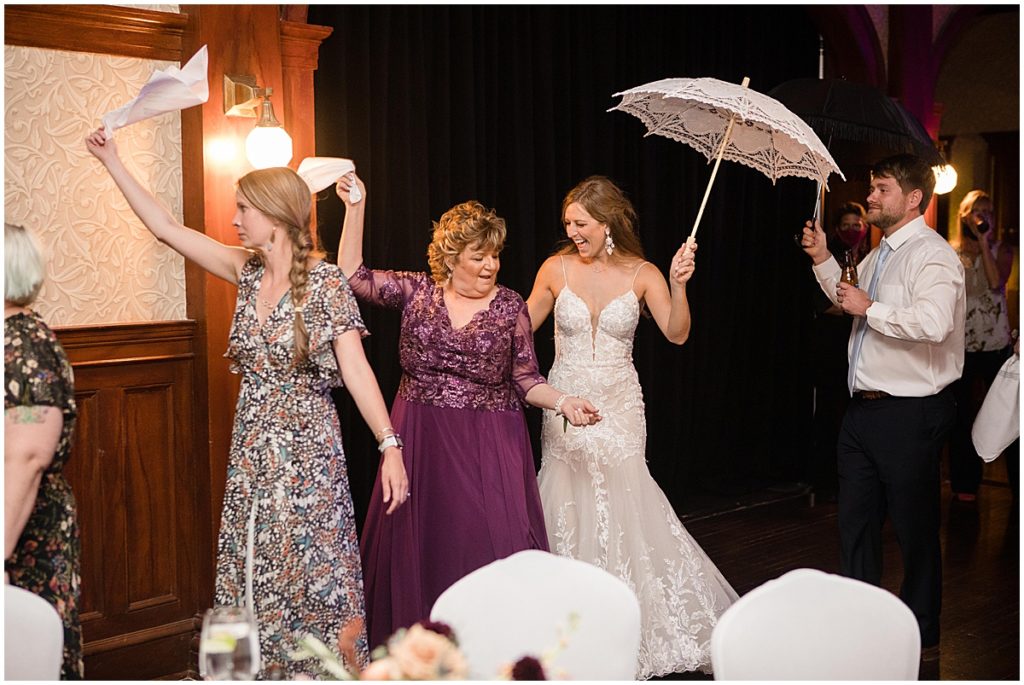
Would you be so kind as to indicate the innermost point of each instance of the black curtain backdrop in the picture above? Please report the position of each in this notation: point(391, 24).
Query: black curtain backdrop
point(507, 105)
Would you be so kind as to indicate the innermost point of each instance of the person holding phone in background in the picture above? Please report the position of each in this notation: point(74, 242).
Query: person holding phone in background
point(987, 262)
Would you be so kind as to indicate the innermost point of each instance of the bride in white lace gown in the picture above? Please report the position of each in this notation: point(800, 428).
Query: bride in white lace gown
point(600, 503)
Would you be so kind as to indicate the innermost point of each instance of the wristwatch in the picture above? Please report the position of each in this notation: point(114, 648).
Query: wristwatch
point(393, 440)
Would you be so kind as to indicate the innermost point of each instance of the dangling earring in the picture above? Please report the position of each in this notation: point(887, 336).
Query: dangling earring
point(609, 244)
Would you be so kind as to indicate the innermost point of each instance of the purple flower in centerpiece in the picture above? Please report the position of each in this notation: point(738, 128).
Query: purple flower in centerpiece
point(442, 629)
point(528, 668)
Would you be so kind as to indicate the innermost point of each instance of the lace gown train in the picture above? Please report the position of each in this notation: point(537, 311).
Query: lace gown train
point(601, 504)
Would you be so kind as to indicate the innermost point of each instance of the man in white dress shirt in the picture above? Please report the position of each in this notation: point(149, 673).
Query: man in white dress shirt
point(906, 348)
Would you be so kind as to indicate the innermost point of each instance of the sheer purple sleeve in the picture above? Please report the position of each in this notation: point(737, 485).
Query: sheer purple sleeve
point(525, 373)
point(390, 289)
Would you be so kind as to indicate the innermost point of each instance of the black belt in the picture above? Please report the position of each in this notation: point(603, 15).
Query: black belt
point(870, 394)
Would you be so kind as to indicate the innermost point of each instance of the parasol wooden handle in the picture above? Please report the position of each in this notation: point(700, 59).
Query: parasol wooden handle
point(718, 161)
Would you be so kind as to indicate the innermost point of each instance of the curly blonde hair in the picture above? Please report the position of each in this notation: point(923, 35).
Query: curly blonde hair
point(464, 225)
point(280, 194)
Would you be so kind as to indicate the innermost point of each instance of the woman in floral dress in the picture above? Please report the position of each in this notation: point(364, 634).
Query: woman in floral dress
point(41, 547)
point(987, 262)
point(287, 548)
point(466, 351)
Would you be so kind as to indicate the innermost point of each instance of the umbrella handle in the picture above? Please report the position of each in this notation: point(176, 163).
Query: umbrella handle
point(714, 172)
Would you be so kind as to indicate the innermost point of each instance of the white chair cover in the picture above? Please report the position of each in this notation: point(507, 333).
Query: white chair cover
point(811, 625)
point(514, 607)
point(33, 637)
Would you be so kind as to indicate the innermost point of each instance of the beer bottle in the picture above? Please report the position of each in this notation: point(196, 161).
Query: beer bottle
point(849, 269)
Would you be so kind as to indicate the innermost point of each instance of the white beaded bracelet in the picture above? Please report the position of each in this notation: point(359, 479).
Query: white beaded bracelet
point(558, 404)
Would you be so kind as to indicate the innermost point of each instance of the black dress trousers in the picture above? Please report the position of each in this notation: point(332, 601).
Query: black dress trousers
point(888, 462)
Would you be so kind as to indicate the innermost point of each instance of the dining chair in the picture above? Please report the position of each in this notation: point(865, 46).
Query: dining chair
point(33, 637)
point(533, 603)
point(812, 625)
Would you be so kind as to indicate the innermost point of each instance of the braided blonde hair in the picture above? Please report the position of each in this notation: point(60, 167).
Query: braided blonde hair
point(282, 196)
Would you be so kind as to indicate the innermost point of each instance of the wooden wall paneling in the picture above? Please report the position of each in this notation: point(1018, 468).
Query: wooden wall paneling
point(241, 39)
point(152, 504)
point(161, 653)
point(300, 50)
point(196, 304)
point(85, 470)
point(133, 470)
point(104, 29)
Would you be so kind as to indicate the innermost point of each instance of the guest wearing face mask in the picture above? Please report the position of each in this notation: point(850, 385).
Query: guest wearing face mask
point(987, 263)
point(850, 231)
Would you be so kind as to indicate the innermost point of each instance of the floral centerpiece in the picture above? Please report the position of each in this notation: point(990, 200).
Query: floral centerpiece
point(427, 650)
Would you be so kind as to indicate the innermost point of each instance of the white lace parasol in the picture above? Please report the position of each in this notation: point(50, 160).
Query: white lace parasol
point(730, 121)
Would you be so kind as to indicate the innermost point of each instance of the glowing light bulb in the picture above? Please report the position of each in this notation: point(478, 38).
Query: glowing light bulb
point(945, 178)
point(268, 146)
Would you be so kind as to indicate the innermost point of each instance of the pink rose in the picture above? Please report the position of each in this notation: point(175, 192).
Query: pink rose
point(422, 654)
point(381, 669)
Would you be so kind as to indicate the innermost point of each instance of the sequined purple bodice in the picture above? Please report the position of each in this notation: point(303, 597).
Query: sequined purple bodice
point(487, 364)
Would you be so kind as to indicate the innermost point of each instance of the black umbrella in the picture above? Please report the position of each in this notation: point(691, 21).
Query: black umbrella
point(840, 110)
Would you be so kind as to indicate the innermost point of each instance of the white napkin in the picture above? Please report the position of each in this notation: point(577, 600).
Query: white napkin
point(321, 172)
point(998, 420)
point(167, 90)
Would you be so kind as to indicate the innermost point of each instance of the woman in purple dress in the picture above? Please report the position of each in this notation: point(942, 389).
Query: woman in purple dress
point(466, 351)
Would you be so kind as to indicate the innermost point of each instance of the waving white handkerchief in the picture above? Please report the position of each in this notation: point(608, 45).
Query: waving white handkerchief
point(168, 90)
point(998, 420)
point(321, 172)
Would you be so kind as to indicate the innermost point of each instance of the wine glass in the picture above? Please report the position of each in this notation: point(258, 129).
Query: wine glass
point(228, 645)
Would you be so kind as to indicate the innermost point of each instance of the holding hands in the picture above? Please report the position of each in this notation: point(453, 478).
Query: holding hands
point(577, 411)
point(683, 263)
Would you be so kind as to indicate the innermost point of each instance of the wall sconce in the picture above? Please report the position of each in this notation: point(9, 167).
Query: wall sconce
point(268, 144)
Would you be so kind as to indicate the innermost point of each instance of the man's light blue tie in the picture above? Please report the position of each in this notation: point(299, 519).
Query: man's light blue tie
point(861, 323)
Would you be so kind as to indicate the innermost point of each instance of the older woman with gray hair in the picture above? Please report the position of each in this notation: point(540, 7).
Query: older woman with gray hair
point(466, 350)
point(41, 547)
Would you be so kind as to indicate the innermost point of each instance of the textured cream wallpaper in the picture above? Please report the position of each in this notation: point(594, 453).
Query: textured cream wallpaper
point(104, 266)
